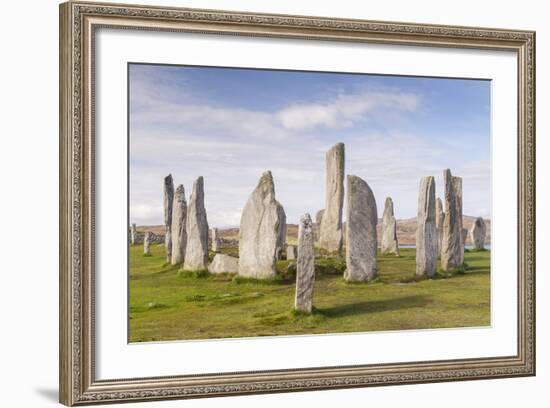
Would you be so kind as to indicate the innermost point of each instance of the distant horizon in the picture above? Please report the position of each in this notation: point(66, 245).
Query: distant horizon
point(229, 125)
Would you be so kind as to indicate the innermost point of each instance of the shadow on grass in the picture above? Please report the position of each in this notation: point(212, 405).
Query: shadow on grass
point(374, 306)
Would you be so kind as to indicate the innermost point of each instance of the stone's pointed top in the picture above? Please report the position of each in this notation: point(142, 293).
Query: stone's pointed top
point(305, 219)
point(388, 207)
point(168, 179)
point(180, 190)
point(338, 147)
point(266, 185)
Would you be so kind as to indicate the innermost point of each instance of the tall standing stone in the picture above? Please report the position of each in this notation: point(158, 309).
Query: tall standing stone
point(168, 202)
point(196, 250)
point(477, 233)
point(389, 229)
point(331, 224)
point(426, 232)
point(305, 266)
point(361, 242)
point(439, 220)
point(133, 234)
point(215, 236)
point(260, 231)
point(452, 247)
point(281, 237)
point(179, 221)
point(147, 244)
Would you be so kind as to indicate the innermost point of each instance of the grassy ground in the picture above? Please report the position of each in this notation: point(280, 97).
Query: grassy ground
point(167, 305)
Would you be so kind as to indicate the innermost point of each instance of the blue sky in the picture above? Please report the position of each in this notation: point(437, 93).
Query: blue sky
point(229, 125)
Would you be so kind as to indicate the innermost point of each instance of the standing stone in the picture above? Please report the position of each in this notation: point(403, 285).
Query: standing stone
point(215, 240)
point(362, 218)
point(179, 221)
point(196, 250)
point(133, 234)
point(317, 225)
point(331, 224)
point(477, 233)
point(305, 266)
point(464, 238)
point(439, 220)
point(281, 237)
point(290, 252)
point(223, 263)
point(452, 248)
point(168, 202)
point(389, 229)
point(426, 232)
point(260, 231)
point(147, 244)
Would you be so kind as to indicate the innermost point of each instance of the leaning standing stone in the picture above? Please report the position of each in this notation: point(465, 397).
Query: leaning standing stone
point(452, 249)
point(281, 237)
point(439, 220)
point(215, 240)
point(317, 225)
point(426, 233)
point(362, 218)
point(331, 224)
point(133, 234)
point(168, 202)
point(305, 266)
point(196, 250)
point(389, 229)
point(147, 244)
point(260, 231)
point(290, 252)
point(179, 221)
point(477, 233)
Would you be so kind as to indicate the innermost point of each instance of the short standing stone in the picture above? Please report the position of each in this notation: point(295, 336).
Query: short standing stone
point(260, 231)
point(290, 252)
point(196, 251)
point(147, 244)
point(215, 236)
point(452, 247)
point(331, 224)
point(224, 264)
point(464, 237)
point(389, 243)
point(361, 240)
point(133, 234)
point(426, 233)
point(305, 266)
point(281, 237)
point(477, 233)
point(179, 221)
point(168, 202)
point(439, 220)
point(317, 225)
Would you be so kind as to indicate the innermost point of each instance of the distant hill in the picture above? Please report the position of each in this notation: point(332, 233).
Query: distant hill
point(406, 230)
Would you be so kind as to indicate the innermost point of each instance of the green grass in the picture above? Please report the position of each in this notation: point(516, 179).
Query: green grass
point(167, 303)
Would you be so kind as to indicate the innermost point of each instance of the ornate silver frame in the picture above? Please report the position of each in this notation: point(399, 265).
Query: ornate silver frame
point(78, 22)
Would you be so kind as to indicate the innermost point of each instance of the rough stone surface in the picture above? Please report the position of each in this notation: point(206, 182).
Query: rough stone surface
point(215, 236)
point(389, 243)
point(464, 238)
point(147, 244)
point(259, 232)
point(331, 225)
point(196, 250)
point(168, 202)
point(439, 220)
point(179, 221)
point(362, 217)
point(281, 237)
point(224, 264)
point(133, 234)
point(305, 266)
point(291, 251)
point(426, 232)
point(477, 233)
point(452, 247)
point(317, 224)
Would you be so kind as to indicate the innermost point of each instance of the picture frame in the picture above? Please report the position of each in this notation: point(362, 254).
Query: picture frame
point(79, 22)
